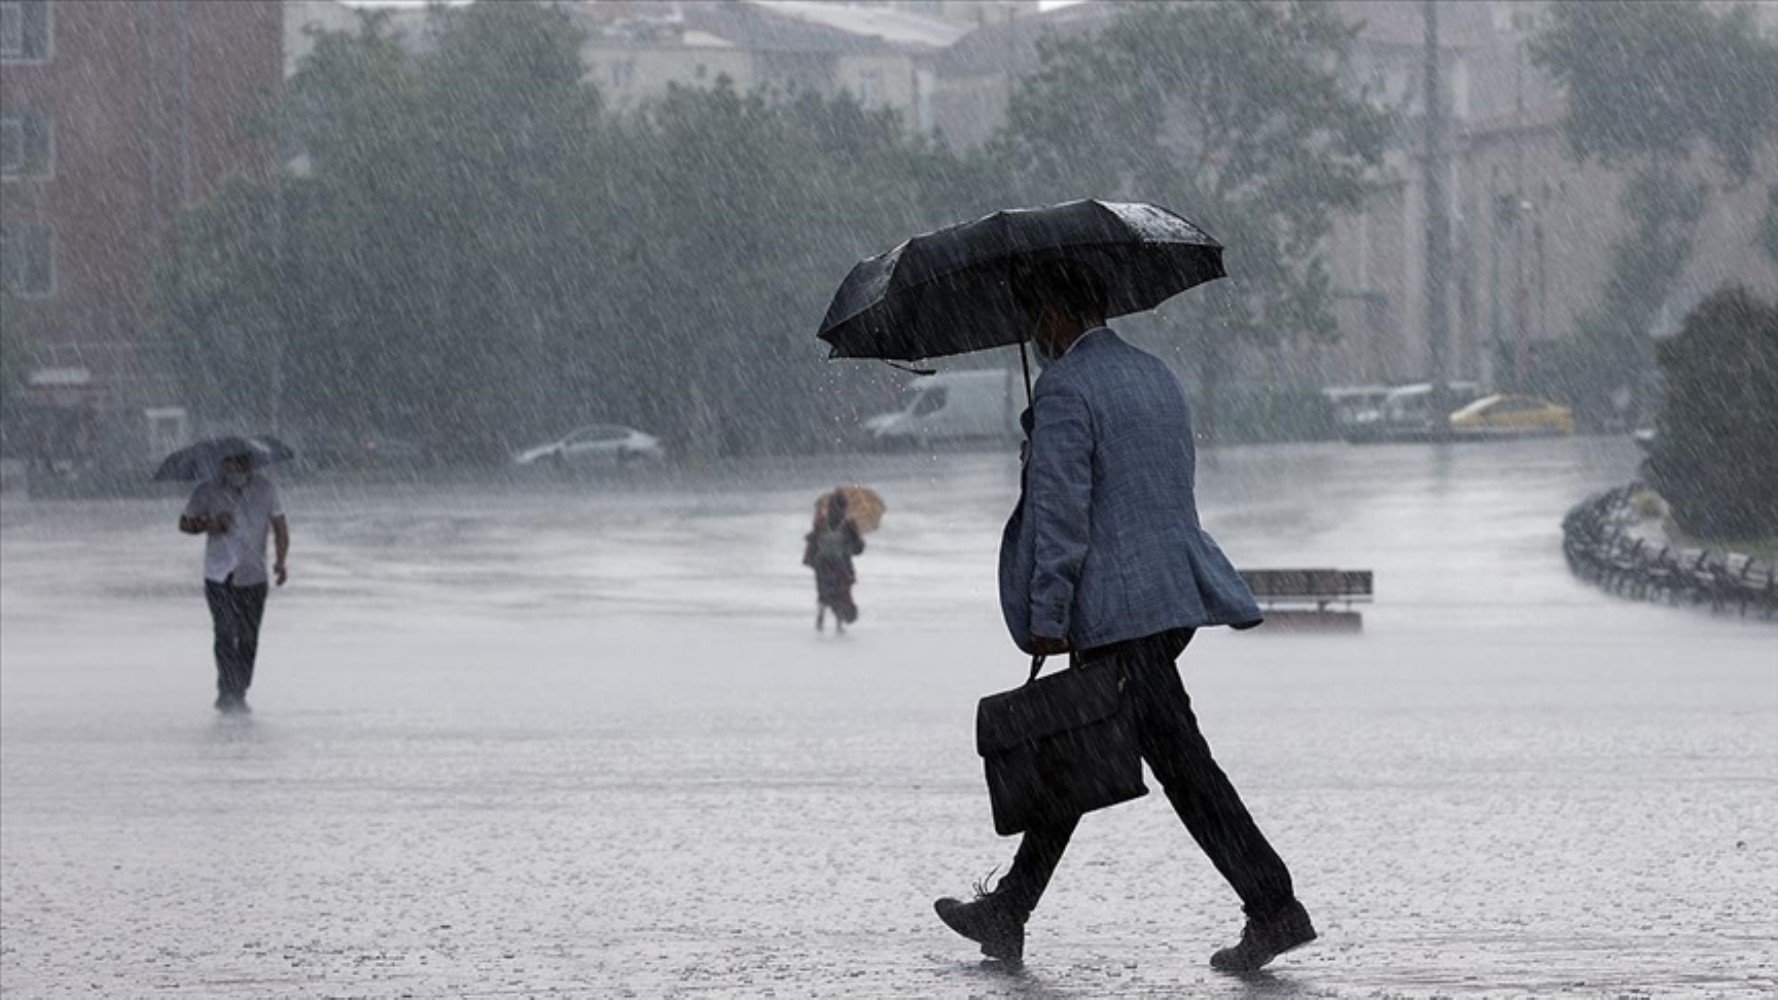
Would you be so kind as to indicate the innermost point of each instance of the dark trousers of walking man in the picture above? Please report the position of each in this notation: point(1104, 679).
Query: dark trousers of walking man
point(235, 611)
point(1180, 758)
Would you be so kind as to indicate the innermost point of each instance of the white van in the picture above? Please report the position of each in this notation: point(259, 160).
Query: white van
point(954, 407)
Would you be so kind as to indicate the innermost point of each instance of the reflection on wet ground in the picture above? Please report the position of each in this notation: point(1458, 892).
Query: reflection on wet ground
point(580, 739)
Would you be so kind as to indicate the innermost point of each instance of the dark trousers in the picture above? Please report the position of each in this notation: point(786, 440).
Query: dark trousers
point(235, 611)
point(1201, 794)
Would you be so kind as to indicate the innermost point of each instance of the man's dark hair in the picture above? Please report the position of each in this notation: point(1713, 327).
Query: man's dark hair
point(1067, 286)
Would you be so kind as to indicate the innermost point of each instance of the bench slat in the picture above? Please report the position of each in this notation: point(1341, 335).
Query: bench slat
point(1309, 584)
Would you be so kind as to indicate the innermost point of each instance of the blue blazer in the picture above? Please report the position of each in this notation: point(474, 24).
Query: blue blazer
point(1105, 543)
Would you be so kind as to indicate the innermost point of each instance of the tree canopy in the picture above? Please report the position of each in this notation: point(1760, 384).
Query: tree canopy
point(480, 252)
point(1651, 87)
point(477, 251)
point(1662, 80)
point(1237, 115)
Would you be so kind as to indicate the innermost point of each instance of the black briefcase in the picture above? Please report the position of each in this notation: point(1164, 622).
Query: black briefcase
point(1059, 746)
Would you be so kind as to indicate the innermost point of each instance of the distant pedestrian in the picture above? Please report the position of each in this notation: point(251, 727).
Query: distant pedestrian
point(1105, 560)
point(828, 550)
point(235, 511)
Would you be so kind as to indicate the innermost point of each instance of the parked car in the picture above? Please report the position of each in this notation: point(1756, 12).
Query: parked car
point(1405, 414)
point(596, 444)
point(1351, 402)
point(953, 407)
point(1505, 415)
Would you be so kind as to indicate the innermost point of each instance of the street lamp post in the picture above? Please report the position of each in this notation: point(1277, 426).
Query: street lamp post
point(278, 319)
point(1522, 288)
point(1438, 231)
point(1496, 341)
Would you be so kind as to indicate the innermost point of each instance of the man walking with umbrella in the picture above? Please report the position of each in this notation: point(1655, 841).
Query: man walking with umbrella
point(235, 510)
point(1104, 559)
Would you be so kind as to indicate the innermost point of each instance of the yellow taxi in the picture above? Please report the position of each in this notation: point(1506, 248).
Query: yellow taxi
point(1503, 415)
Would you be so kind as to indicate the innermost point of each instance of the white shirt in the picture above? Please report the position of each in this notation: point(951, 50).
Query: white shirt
point(240, 551)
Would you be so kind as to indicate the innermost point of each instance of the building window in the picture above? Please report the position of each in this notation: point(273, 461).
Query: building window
point(27, 261)
point(27, 145)
point(24, 31)
point(1516, 17)
point(168, 429)
point(870, 86)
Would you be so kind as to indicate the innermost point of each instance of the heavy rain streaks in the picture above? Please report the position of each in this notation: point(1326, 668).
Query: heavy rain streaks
point(514, 307)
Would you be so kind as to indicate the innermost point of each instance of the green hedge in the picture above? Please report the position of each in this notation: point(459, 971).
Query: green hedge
point(1715, 453)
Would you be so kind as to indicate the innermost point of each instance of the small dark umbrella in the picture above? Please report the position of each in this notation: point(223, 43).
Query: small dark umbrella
point(948, 292)
point(204, 459)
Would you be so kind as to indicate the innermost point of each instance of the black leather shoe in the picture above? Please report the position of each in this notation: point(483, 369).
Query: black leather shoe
point(1264, 940)
point(987, 922)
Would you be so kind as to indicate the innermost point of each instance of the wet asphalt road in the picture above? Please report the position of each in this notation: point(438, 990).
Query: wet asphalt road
point(579, 739)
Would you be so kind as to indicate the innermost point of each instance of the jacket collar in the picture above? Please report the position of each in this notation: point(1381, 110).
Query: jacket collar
point(1096, 333)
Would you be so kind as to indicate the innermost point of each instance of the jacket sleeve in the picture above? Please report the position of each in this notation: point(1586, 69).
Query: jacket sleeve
point(1060, 499)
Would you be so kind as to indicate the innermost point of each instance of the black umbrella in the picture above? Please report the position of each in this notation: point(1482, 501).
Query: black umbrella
point(948, 292)
point(203, 460)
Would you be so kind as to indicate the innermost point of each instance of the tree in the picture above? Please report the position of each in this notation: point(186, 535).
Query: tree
point(1661, 80)
point(415, 280)
point(451, 222)
point(1712, 457)
point(13, 359)
point(750, 208)
point(1236, 115)
point(482, 253)
point(1652, 86)
point(221, 299)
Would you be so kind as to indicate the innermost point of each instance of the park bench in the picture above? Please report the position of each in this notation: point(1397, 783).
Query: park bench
point(1302, 598)
point(1739, 581)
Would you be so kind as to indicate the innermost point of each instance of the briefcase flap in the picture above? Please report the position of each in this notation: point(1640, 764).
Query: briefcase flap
point(1069, 700)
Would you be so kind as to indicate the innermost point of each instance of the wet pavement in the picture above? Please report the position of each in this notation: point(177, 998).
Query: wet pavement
point(580, 739)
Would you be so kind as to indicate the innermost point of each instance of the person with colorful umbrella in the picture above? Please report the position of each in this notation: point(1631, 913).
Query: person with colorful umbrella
point(1104, 558)
point(841, 519)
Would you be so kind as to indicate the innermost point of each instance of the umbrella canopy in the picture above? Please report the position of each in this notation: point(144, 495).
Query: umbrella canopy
point(864, 508)
point(949, 291)
point(203, 460)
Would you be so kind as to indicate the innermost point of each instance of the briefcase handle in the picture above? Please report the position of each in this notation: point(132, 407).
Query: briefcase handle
point(1037, 664)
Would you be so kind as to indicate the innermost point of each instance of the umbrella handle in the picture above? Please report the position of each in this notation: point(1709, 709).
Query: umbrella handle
point(1025, 363)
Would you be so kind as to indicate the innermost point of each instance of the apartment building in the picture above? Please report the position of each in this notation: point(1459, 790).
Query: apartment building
point(113, 118)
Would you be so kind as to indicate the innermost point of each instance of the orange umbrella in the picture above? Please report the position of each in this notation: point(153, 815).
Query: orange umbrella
point(863, 507)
